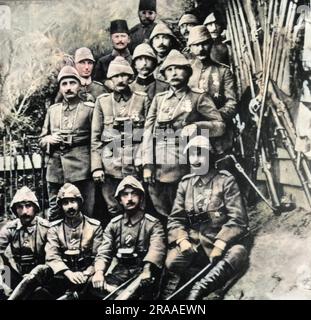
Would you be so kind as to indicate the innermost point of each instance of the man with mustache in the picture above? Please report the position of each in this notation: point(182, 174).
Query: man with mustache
point(147, 12)
point(25, 238)
point(135, 238)
point(65, 137)
point(117, 130)
point(145, 61)
point(162, 40)
point(208, 224)
point(72, 244)
point(217, 80)
point(120, 38)
point(174, 115)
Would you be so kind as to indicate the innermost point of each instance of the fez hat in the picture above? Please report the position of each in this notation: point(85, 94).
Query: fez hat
point(148, 5)
point(119, 26)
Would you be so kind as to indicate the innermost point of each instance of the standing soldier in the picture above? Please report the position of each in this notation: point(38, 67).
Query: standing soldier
point(208, 223)
point(120, 39)
point(135, 238)
point(178, 111)
point(117, 127)
point(215, 79)
point(162, 40)
point(147, 13)
point(84, 63)
point(25, 237)
point(72, 244)
point(66, 136)
point(145, 61)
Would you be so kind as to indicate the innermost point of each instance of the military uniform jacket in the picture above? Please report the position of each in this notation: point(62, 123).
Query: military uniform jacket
point(86, 237)
point(143, 232)
point(25, 241)
point(215, 199)
point(110, 151)
point(72, 163)
point(139, 34)
point(102, 65)
point(174, 111)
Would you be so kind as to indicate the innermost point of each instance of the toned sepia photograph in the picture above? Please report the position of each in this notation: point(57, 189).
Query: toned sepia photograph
point(155, 150)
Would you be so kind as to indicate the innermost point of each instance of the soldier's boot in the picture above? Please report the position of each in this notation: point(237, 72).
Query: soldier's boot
point(24, 288)
point(69, 295)
point(171, 284)
point(215, 279)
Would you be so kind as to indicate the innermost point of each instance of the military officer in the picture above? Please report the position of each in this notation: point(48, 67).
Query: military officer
point(208, 223)
point(135, 238)
point(174, 114)
point(145, 61)
point(120, 38)
point(65, 137)
point(162, 40)
point(22, 240)
point(217, 80)
point(147, 12)
point(90, 89)
point(117, 130)
point(72, 243)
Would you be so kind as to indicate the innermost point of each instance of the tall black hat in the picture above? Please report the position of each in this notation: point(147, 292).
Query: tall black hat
point(148, 5)
point(119, 26)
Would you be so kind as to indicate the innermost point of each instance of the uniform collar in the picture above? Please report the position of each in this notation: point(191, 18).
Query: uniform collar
point(133, 220)
point(86, 82)
point(124, 95)
point(145, 81)
point(205, 179)
point(29, 228)
point(178, 93)
point(70, 106)
point(125, 54)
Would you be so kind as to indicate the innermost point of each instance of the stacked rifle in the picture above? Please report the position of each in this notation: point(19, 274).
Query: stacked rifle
point(263, 37)
point(21, 164)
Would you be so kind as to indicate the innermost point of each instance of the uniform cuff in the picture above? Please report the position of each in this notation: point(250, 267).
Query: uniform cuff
point(220, 244)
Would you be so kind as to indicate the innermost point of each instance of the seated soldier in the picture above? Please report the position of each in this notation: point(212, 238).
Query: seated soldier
point(136, 239)
point(25, 238)
point(72, 244)
point(208, 224)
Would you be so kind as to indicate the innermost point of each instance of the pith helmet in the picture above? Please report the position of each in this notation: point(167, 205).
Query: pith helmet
point(24, 195)
point(129, 181)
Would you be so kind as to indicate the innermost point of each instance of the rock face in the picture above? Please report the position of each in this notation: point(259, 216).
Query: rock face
point(280, 259)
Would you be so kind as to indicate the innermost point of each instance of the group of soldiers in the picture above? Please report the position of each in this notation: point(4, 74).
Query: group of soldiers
point(147, 124)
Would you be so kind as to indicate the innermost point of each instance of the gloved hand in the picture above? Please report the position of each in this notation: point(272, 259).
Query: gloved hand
point(186, 247)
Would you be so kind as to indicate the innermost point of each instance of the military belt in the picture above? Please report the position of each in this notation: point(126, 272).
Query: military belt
point(197, 218)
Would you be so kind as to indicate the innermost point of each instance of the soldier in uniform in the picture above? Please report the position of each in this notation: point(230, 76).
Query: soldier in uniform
point(208, 223)
point(66, 136)
point(135, 238)
point(90, 89)
point(215, 79)
point(117, 127)
point(147, 13)
point(145, 61)
point(120, 39)
point(72, 244)
point(178, 112)
point(162, 40)
point(22, 243)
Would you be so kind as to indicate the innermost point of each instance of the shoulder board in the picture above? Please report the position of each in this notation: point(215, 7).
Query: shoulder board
point(98, 83)
point(187, 176)
point(55, 105)
point(43, 222)
point(103, 95)
point(225, 172)
point(92, 221)
point(11, 224)
point(89, 104)
point(150, 217)
point(198, 90)
point(161, 93)
point(140, 93)
point(56, 222)
point(117, 218)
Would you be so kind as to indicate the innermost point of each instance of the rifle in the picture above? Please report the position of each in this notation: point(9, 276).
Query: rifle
point(24, 159)
point(4, 177)
point(120, 287)
point(11, 169)
point(69, 295)
point(130, 290)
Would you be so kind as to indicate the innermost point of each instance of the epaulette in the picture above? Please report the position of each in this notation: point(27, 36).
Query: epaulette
point(117, 218)
point(55, 105)
point(161, 93)
point(225, 172)
point(150, 217)
point(43, 222)
point(187, 176)
point(141, 93)
point(93, 221)
point(99, 83)
point(198, 90)
point(104, 95)
point(89, 104)
point(11, 224)
point(56, 222)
